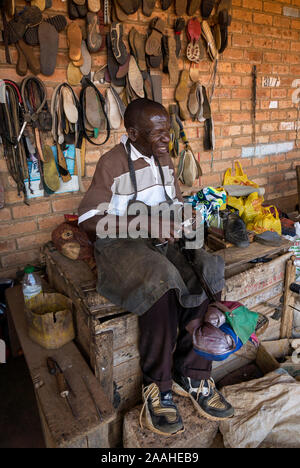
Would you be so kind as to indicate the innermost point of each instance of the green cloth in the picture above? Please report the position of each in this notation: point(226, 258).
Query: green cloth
point(243, 321)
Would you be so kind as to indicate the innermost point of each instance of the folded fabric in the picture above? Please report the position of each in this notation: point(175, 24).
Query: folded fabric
point(243, 190)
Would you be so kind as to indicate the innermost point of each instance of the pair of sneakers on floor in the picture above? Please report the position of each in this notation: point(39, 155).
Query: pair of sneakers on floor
point(160, 414)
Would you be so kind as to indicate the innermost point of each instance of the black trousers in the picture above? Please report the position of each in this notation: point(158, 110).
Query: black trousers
point(165, 345)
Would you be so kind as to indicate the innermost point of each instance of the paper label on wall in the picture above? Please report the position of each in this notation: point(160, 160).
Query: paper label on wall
point(33, 185)
point(2, 92)
point(72, 185)
point(273, 105)
point(270, 81)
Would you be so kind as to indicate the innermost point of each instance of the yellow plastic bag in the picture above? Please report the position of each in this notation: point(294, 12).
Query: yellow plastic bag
point(266, 221)
point(252, 207)
point(236, 202)
point(240, 178)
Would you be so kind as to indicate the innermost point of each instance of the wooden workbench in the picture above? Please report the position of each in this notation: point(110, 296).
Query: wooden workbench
point(60, 427)
point(109, 334)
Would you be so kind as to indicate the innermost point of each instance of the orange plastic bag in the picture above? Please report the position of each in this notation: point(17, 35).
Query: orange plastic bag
point(252, 207)
point(266, 221)
point(240, 178)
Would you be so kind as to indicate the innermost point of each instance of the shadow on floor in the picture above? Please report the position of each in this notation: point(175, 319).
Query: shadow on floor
point(20, 425)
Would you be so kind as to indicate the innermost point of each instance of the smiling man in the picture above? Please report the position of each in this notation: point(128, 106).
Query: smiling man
point(154, 282)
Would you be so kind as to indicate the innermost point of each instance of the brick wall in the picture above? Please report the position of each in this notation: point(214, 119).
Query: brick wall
point(261, 34)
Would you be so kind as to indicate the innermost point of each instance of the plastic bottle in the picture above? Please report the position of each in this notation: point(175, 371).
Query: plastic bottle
point(32, 284)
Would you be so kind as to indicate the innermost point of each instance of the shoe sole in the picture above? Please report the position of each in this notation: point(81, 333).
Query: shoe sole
point(146, 422)
point(181, 392)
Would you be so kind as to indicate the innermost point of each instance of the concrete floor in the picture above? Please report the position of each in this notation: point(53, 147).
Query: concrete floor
point(19, 418)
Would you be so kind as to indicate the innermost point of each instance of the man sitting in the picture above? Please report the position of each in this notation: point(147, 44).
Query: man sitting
point(148, 274)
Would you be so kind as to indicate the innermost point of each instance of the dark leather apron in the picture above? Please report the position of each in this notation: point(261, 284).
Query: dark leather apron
point(134, 274)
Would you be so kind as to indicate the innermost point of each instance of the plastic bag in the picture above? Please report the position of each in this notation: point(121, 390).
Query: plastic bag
point(240, 178)
point(237, 203)
point(252, 207)
point(266, 221)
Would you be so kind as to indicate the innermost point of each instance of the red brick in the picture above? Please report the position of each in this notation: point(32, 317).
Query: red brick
point(232, 130)
point(241, 116)
point(252, 4)
point(278, 93)
point(283, 166)
point(92, 157)
point(273, 7)
point(15, 229)
point(35, 209)
point(241, 40)
point(281, 21)
point(295, 24)
point(242, 141)
point(261, 18)
point(67, 205)
point(5, 214)
point(20, 258)
point(263, 43)
point(253, 56)
point(231, 153)
point(50, 222)
point(269, 127)
point(230, 105)
point(7, 246)
point(33, 240)
point(272, 57)
point(242, 15)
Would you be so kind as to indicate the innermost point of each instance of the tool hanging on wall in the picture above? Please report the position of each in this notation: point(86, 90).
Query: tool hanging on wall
point(254, 84)
point(37, 121)
point(11, 133)
point(62, 385)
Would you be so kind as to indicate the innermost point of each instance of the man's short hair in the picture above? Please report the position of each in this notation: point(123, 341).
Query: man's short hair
point(135, 110)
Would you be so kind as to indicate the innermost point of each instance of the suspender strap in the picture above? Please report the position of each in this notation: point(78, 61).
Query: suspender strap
point(133, 175)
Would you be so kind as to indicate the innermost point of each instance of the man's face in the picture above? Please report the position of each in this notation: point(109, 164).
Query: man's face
point(153, 134)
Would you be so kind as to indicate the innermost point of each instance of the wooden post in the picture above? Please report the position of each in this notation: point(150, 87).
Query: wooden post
point(288, 299)
point(298, 185)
